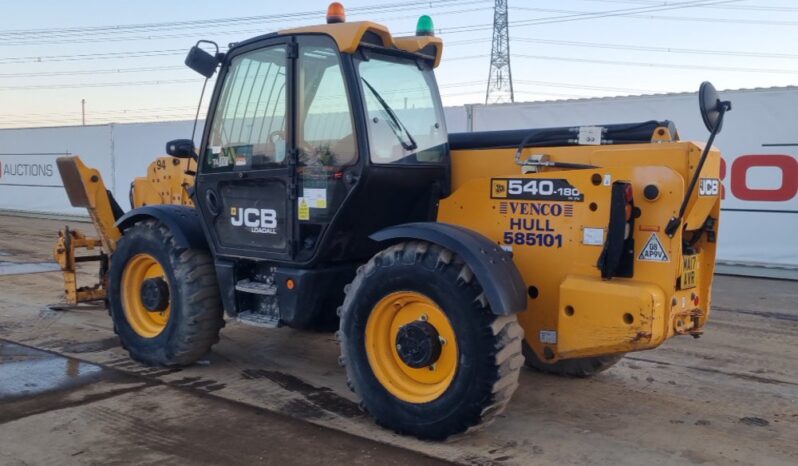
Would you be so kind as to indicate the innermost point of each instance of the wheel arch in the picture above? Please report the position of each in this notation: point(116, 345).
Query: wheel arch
point(494, 268)
point(182, 221)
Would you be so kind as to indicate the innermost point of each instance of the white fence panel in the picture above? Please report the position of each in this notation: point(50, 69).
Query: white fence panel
point(136, 146)
point(29, 178)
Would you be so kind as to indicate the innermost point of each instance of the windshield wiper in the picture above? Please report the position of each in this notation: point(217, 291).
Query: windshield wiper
point(395, 124)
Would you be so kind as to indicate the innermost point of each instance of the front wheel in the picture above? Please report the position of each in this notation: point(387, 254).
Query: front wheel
point(421, 346)
point(164, 299)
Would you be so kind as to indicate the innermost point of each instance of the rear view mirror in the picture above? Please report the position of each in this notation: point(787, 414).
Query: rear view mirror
point(711, 105)
point(201, 61)
point(181, 148)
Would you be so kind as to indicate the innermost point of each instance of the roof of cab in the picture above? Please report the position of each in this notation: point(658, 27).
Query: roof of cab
point(348, 36)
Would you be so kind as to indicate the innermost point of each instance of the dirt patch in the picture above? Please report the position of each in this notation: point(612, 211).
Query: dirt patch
point(754, 421)
point(322, 397)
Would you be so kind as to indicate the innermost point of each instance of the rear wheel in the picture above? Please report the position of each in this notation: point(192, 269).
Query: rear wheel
point(421, 346)
point(164, 299)
point(577, 367)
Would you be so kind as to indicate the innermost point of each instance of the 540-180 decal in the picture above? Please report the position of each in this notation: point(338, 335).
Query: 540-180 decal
point(535, 189)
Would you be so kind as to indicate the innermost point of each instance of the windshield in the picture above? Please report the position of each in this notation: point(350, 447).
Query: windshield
point(405, 118)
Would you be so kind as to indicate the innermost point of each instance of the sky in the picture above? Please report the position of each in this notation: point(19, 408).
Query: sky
point(126, 58)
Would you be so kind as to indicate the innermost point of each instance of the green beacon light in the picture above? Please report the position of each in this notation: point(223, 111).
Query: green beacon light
point(424, 26)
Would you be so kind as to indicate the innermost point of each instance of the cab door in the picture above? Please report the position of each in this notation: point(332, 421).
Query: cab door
point(247, 165)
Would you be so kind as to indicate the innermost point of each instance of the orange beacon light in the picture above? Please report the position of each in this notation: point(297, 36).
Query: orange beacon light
point(335, 13)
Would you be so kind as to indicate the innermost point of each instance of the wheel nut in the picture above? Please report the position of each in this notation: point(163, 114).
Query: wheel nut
point(423, 318)
point(432, 367)
point(442, 340)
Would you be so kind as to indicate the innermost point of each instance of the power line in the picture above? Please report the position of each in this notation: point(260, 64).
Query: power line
point(587, 15)
point(669, 18)
point(571, 16)
point(746, 7)
point(130, 111)
point(478, 94)
point(90, 56)
point(579, 15)
point(649, 48)
point(587, 87)
point(218, 21)
point(171, 52)
point(212, 27)
point(91, 72)
point(627, 11)
point(207, 31)
point(155, 82)
point(719, 20)
point(640, 48)
point(660, 65)
point(89, 85)
point(81, 35)
point(641, 64)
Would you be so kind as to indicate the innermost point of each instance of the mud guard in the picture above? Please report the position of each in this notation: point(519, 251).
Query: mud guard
point(182, 221)
point(504, 287)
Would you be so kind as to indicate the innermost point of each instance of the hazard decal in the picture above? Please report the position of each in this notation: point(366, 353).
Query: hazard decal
point(653, 251)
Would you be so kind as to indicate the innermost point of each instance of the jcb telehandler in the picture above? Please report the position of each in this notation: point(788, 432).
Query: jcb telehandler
point(326, 180)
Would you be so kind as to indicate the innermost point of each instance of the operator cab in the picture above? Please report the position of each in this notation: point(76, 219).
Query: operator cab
point(301, 119)
point(316, 138)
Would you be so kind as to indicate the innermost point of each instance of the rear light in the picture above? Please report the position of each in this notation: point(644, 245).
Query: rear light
point(628, 193)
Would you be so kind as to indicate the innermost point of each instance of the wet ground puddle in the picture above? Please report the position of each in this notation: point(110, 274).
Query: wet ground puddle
point(26, 372)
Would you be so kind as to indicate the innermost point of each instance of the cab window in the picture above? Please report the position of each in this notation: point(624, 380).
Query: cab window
point(404, 112)
point(248, 129)
point(325, 134)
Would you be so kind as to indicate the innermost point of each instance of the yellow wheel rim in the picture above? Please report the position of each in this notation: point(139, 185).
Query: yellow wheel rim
point(409, 384)
point(144, 322)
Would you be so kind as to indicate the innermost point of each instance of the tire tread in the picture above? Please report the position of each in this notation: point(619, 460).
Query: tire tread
point(505, 331)
point(203, 318)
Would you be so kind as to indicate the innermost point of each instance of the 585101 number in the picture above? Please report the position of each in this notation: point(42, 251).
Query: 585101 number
point(546, 240)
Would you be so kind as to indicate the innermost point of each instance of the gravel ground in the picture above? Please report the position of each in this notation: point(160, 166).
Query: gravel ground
point(728, 397)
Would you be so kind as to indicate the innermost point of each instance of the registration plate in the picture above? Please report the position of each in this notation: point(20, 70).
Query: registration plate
point(689, 272)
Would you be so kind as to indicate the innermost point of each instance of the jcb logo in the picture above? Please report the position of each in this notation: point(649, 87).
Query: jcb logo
point(498, 188)
point(709, 187)
point(257, 220)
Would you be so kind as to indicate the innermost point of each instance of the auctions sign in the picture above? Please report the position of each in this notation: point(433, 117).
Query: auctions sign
point(29, 170)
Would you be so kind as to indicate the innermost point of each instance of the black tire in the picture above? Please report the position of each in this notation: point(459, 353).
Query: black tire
point(196, 311)
point(577, 367)
point(489, 346)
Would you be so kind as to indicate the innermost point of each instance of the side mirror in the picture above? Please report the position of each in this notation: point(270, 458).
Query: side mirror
point(710, 104)
point(201, 61)
point(181, 148)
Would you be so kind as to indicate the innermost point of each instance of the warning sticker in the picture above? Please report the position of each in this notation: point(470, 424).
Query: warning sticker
point(590, 135)
point(303, 209)
point(653, 251)
point(316, 197)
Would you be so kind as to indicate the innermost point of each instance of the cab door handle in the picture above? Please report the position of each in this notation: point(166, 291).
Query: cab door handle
point(212, 201)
